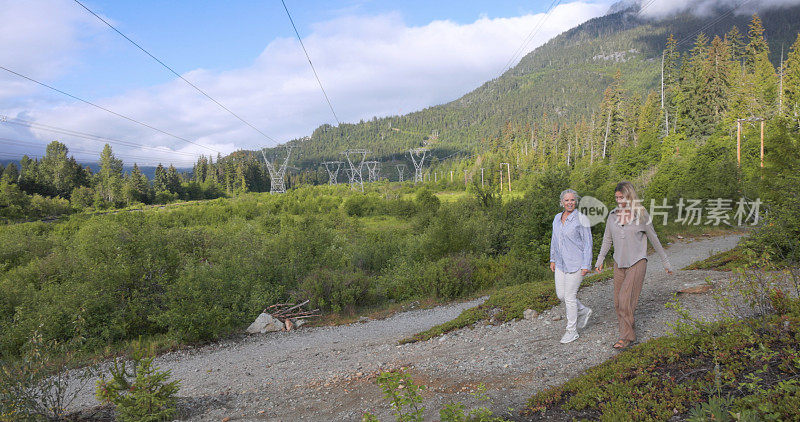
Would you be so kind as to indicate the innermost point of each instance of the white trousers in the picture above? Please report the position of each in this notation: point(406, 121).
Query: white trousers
point(567, 285)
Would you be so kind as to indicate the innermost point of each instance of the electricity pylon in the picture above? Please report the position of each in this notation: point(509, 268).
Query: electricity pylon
point(333, 171)
point(277, 184)
point(355, 171)
point(374, 170)
point(401, 169)
point(418, 153)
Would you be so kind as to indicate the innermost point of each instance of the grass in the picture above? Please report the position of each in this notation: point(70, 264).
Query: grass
point(506, 304)
point(723, 261)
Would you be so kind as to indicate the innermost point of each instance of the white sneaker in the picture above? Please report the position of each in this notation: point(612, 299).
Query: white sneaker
point(583, 318)
point(569, 337)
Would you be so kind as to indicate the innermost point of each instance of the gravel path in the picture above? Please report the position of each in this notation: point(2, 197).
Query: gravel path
point(328, 373)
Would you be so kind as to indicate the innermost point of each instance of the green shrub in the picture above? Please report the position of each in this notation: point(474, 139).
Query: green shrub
point(144, 395)
point(335, 290)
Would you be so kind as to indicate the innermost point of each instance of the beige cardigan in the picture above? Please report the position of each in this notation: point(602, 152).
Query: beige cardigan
point(630, 244)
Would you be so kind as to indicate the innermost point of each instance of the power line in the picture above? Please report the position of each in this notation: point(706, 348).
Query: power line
point(106, 110)
point(309, 62)
point(176, 73)
point(712, 23)
point(91, 137)
point(530, 36)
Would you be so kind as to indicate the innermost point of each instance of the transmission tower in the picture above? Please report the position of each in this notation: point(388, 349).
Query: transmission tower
point(333, 170)
point(401, 169)
point(374, 170)
point(355, 170)
point(418, 154)
point(277, 184)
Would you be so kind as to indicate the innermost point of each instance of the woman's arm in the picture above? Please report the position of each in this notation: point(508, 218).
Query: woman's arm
point(553, 244)
point(604, 248)
point(650, 231)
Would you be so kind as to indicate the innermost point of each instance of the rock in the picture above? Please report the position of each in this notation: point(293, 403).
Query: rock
point(556, 317)
point(265, 323)
point(679, 237)
point(530, 314)
point(298, 322)
point(289, 324)
point(363, 319)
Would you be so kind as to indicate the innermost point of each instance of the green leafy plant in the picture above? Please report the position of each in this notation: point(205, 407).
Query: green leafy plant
point(143, 395)
point(403, 394)
point(40, 384)
point(455, 412)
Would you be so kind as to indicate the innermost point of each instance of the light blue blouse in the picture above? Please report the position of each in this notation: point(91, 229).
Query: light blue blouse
point(571, 243)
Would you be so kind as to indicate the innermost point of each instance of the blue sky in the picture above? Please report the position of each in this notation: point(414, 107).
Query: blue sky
point(375, 58)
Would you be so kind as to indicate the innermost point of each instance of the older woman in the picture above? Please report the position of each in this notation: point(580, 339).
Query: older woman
point(628, 228)
point(570, 260)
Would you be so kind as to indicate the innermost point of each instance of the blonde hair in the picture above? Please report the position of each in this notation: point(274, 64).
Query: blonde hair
point(629, 193)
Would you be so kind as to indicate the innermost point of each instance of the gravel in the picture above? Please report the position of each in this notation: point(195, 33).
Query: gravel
point(328, 373)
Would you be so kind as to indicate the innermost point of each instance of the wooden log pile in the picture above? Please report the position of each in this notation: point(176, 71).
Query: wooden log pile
point(292, 315)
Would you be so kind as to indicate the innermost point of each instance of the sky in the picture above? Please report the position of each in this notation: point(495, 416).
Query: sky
point(373, 58)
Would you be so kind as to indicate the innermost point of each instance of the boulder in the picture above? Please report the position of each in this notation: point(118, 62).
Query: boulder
point(265, 323)
point(530, 314)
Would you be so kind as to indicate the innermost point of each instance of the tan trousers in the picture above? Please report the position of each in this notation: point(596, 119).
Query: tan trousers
point(627, 287)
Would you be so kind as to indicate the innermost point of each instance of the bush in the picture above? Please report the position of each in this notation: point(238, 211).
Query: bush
point(335, 290)
point(360, 205)
point(165, 197)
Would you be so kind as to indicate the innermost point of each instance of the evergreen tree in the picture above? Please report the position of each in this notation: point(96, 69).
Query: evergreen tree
point(735, 44)
point(764, 79)
point(11, 173)
point(173, 180)
point(110, 178)
point(791, 82)
point(160, 179)
point(137, 188)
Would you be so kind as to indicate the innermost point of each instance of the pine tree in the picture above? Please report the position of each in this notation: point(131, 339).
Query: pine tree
point(137, 188)
point(764, 79)
point(791, 82)
point(160, 179)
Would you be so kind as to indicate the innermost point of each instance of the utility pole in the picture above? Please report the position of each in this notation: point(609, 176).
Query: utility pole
point(739, 138)
point(780, 90)
point(605, 139)
point(663, 53)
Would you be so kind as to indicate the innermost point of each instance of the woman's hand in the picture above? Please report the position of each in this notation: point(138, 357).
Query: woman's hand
point(553, 266)
point(599, 269)
point(584, 272)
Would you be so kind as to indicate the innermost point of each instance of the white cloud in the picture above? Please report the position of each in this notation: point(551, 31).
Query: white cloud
point(663, 8)
point(40, 39)
point(369, 66)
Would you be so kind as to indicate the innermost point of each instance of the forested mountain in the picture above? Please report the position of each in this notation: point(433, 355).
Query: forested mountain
point(559, 83)
point(591, 99)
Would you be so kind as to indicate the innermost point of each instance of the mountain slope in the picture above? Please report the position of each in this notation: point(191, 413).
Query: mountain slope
point(562, 81)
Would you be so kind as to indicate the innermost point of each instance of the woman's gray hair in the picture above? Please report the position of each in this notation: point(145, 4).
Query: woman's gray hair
point(566, 191)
